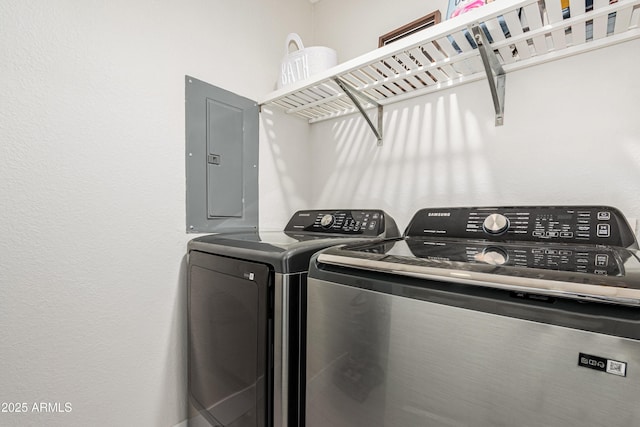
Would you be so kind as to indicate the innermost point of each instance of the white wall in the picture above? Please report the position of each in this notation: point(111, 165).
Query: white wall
point(285, 180)
point(353, 27)
point(571, 136)
point(92, 222)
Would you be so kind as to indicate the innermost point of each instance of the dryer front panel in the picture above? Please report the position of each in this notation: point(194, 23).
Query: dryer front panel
point(229, 332)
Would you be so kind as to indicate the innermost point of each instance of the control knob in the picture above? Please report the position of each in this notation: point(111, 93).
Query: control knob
point(495, 224)
point(327, 220)
point(495, 256)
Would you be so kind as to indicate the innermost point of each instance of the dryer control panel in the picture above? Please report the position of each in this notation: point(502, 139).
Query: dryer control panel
point(600, 225)
point(367, 222)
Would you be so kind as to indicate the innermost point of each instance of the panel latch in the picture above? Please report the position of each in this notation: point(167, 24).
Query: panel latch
point(213, 159)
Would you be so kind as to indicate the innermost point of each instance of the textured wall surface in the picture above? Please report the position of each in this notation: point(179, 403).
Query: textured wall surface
point(92, 222)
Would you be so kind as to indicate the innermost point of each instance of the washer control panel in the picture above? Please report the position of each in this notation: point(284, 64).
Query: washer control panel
point(370, 223)
point(602, 225)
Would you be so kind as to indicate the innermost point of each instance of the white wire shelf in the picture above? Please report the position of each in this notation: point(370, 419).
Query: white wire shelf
point(516, 34)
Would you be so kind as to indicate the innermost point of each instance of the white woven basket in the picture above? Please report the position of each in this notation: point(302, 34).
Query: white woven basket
point(304, 62)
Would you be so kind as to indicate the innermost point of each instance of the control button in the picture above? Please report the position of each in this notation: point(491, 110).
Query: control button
point(602, 260)
point(372, 225)
point(604, 230)
point(600, 272)
point(568, 234)
point(495, 224)
point(552, 234)
point(538, 234)
point(327, 220)
point(604, 216)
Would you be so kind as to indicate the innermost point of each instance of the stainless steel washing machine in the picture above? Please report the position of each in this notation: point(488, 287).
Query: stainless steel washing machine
point(483, 317)
point(246, 315)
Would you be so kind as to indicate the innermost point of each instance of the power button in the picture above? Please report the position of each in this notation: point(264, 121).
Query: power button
point(604, 216)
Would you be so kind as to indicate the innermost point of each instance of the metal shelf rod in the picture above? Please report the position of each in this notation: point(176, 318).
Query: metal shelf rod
point(492, 67)
point(353, 94)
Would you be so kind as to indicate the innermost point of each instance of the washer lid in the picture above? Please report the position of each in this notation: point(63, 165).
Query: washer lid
point(595, 273)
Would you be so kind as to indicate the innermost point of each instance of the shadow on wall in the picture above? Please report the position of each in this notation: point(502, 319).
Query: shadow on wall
point(284, 185)
point(431, 153)
point(445, 150)
point(179, 353)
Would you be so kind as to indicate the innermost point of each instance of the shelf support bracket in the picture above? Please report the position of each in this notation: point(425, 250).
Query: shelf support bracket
point(492, 67)
point(353, 94)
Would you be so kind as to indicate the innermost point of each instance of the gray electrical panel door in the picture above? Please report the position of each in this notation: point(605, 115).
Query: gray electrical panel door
point(221, 159)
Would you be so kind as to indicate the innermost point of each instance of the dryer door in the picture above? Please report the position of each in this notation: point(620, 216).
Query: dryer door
point(229, 331)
